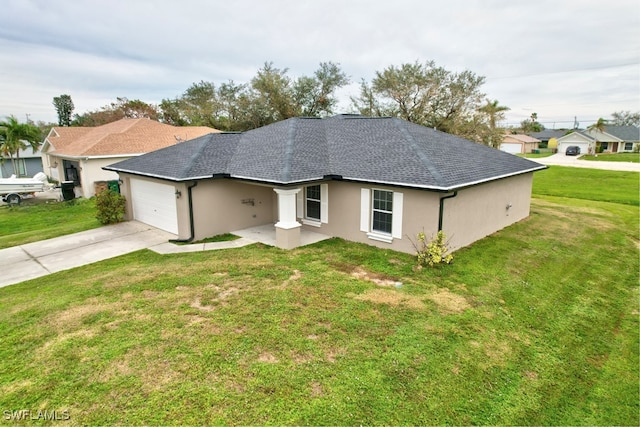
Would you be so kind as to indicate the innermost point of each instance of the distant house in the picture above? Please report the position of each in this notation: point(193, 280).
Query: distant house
point(614, 139)
point(78, 153)
point(28, 163)
point(378, 181)
point(519, 144)
point(547, 135)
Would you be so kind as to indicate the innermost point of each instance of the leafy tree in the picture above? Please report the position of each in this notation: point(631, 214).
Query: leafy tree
point(122, 108)
point(626, 118)
point(423, 93)
point(268, 97)
point(532, 124)
point(16, 136)
point(64, 107)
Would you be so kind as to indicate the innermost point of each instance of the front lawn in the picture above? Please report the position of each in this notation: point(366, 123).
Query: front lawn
point(613, 157)
point(588, 184)
point(534, 325)
point(29, 223)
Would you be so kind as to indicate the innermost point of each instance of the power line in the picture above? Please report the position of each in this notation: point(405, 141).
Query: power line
point(603, 67)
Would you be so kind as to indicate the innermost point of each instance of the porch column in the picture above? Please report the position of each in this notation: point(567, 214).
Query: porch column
point(287, 228)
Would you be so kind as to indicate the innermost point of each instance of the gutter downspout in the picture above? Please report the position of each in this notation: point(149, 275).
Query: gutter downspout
point(441, 214)
point(192, 225)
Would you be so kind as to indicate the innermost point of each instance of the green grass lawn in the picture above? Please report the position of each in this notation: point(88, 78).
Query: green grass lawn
point(534, 325)
point(588, 184)
point(27, 223)
point(614, 157)
point(536, 155)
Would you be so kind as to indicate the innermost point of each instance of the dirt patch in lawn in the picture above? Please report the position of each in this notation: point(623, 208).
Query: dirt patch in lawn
point(379, 279)
point(390, 297)
point(448, 302)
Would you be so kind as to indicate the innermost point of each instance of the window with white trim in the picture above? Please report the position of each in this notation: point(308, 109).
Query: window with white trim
point(381, 214)
point(382, 211)
point(628, 146)
point(312, 202)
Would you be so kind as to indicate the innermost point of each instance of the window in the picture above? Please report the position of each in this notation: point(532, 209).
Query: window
point(382, 211)
point(312, 202)
point(628, 146)
point(381, 214)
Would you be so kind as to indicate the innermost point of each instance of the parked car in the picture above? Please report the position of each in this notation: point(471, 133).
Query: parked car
point(572, 150)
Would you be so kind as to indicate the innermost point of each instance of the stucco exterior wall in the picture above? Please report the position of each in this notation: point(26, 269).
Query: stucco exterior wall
point(474, 213)
point(420, 211)
point(221, 206)
point(481, 210)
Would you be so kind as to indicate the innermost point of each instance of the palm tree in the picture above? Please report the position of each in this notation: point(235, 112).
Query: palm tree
point(600, 126)
point(495, 113)
point(16, 136)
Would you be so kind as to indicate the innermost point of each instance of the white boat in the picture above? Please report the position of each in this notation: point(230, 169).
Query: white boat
point(12, 189)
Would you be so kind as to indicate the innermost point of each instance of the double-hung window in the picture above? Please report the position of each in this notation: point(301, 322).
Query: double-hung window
point(313, 204)
point(381, 214)
point(312, 201)
point(382, 211)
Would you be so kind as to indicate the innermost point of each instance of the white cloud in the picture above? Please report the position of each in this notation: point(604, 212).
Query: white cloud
point(559, 59)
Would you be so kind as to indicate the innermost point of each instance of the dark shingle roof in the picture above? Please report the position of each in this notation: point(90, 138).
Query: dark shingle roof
point(378, 150)
point(625, 133)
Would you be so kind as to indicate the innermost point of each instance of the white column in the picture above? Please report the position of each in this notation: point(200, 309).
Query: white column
point(287, 208)
point(287, 228)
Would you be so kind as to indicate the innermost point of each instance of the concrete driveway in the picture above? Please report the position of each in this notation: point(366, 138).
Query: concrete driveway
point(37, 259)
point(560, 159)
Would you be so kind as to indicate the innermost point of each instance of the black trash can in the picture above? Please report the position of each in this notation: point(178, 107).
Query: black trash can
point(67, 190)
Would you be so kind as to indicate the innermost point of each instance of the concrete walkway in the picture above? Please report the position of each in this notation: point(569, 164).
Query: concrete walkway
point(560, 159)
point(37, 259)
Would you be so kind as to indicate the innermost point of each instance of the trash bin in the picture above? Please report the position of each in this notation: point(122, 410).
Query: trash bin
point(68, 192)
point(114, 186)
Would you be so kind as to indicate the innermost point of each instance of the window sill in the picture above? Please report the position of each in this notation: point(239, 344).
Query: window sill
point(387, 238)
point(311, 222)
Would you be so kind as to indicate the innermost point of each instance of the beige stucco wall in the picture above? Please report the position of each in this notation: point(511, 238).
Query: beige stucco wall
point(473, 214)
point(469, 216)
point(90, 171)
point(481, 210)
point(218, 207)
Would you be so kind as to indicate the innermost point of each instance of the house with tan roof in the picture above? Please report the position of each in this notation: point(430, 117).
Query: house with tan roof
point(519, 144)
point(78, 154)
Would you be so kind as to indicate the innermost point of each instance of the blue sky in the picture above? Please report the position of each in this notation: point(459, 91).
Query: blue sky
point(559, 58)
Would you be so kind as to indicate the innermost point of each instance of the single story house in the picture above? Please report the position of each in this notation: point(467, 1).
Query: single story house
point(28, 163)
point(78, 153)
point(378, 180)
point(519, 144)
point(614, 139)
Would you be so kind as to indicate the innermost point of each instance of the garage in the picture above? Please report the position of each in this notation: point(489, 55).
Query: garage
point(584, 147)
point(511, 147)
point(154, 204)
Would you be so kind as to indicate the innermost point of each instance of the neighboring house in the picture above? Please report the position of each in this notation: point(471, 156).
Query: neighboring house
point(79, 153)
point(519, 144)
point(28, 164)
point(379, 181)
point(614, 139)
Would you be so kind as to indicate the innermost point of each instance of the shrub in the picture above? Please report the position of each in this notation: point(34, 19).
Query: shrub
point(433, 252)
point(110, 206)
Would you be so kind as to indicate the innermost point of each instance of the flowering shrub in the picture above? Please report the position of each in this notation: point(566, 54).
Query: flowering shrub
point(433, 252)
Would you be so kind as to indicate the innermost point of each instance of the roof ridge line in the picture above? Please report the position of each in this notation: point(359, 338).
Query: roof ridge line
point(416, 149)
point(197, 153)
point(285, 175)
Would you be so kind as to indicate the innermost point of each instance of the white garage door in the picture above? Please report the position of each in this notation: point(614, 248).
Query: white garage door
point(510, 147)
point(154, 204)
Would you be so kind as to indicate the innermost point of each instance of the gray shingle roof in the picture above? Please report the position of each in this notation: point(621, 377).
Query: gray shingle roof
point(625, 133)
point(378, 150)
